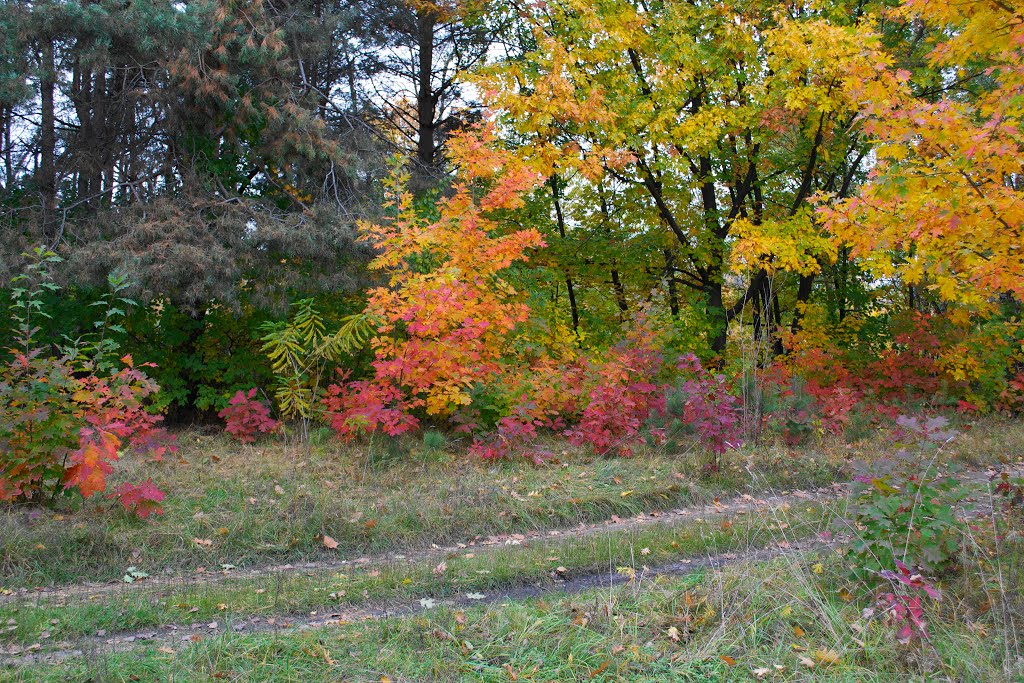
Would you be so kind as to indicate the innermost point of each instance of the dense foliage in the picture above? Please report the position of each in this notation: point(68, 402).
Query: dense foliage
point(65, 415)
point(688, 224)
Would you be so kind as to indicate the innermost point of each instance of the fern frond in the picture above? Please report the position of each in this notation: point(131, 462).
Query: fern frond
point(355, 331)
point(300, 350)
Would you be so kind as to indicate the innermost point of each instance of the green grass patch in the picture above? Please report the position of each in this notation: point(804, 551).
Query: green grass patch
point(268, 504)
point(783, 620)
point(475, 569)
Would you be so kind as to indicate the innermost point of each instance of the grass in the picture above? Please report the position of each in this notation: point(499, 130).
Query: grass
point(269, 504)
point(793, 618)
point(495, 568)
point(780, 621)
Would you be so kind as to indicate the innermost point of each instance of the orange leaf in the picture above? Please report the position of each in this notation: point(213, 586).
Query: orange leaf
point(91, 464)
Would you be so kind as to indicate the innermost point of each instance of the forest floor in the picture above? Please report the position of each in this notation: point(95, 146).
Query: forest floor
point(285, 564)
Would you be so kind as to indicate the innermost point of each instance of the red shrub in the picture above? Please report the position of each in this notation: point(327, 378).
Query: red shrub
point(61, 426)
point(703, 404)
point(514, 436)
point(144, 498)
point(246, 417)
point(908, 369)
point(354, 408)
point(624, 396)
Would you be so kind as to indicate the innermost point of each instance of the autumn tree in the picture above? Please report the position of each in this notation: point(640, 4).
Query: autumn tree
point(943, 209)
point(442, 324)
point(704, 128)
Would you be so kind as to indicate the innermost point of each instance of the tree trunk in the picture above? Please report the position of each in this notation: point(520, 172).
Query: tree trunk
point(716, 316)
point(47, 171)
point(803, 296)
point(673, 294)
point(620, 294)
point(569, 287)
point(8, 157)
point(426, 145)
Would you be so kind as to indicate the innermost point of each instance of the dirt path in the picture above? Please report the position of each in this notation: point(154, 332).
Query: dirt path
point(171, 637)
point(174, 636)
point(742, 504)
point(738, 505)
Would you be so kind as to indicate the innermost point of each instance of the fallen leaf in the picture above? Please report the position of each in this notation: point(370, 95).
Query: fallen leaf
point(441, 568)
point(807, 661)
point(673, 633)
point(203, 542)
point(827, 656)
point(761, 672)
point(330, 543)
point(799, 632)
point(729, 661)
point(278, 490)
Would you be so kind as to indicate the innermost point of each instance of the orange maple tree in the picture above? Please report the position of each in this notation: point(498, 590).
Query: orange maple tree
point(443, 321)
point(943, 207)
